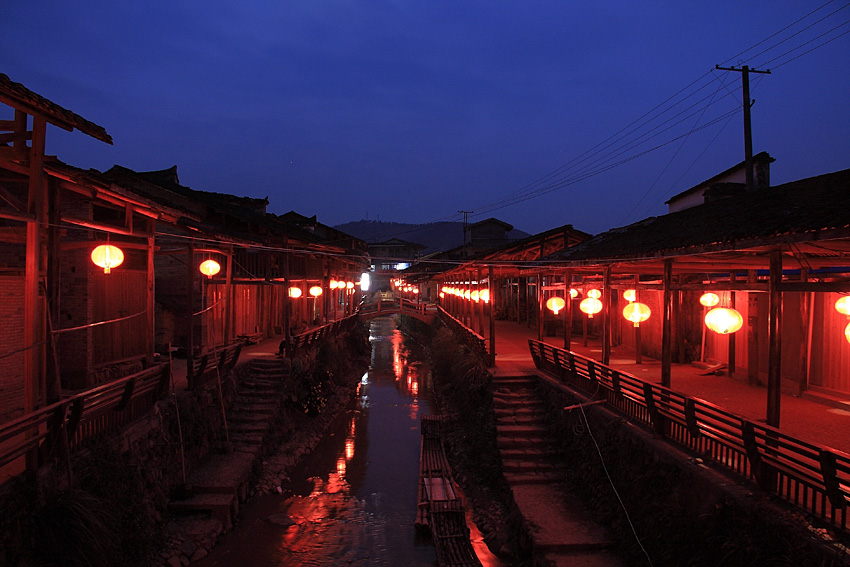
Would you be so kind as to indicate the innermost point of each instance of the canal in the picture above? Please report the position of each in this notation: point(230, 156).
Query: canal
point(353, 500)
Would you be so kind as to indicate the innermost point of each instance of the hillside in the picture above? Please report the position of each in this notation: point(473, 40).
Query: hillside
point(436, 236)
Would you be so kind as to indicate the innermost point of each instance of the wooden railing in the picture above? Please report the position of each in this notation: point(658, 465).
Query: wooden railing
point(218, 362)
point(83, 416)
point(473, 340)
point(308, 339)
point(812, 477)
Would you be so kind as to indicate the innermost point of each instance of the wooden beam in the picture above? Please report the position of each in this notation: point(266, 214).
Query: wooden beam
point(667, 315)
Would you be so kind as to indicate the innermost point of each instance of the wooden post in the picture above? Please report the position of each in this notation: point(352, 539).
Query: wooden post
point(638, 353)
point(54, 252)
point(568, 309)
point(666, 351)
point(480, 304)
point(228, 296)
point(774, 338)
point(150, 298)
point(190, 310)
point(540, 307)
point(492, 315)
point(607, 301)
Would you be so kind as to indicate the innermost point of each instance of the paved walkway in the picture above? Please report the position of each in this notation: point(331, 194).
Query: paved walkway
point(811, 418)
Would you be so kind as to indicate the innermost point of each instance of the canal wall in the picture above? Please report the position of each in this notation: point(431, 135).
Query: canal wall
point(668, 505)
point(113, 511)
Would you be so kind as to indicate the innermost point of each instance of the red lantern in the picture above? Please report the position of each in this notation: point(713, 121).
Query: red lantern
point(843, 305)
point(555, 304)
point(709, 299)
point(209, 268)
point(724, 320)
point(294, 292)
point(591, 306)
point(637, 313)
point(630, 295)
point(316, 291)
point(107, 257)
point(484, 295)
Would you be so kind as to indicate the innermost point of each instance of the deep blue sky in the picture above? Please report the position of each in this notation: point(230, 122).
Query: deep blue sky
point(411, 111)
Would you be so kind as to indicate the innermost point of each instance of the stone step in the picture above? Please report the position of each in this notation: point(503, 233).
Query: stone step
point(522, 431)
point(522, 465)
point(533, 477)
point(264, 409)
point(522, 453)
point(520, 420)
point(537, 443)
point(514, 383)
point(222, 507)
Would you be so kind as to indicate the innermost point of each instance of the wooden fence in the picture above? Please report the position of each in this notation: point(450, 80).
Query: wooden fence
point(473, 340)
point(812, 477)
point(84, 416)
point(306, 340)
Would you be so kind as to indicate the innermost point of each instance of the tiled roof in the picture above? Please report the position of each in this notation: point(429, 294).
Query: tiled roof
point(795, 211)
point(18, 96)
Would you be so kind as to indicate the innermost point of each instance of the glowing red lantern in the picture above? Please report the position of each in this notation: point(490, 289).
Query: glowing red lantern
point(475, 295)
point(709, 299)
point(294, 292)
point(630, 295)
point(333, 284)
point(107, 257)
point(591, 306)
point(349, 285)
point(847, 332)
point(555, 304)
point(594, 293)
point(637, 313)
point(843, 305)
point(316, 290)
point(723, 320)
point(484, 295)
point(209, 268)
point(573, 293)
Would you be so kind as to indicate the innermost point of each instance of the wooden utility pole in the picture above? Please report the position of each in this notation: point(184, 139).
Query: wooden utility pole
point(748, 131)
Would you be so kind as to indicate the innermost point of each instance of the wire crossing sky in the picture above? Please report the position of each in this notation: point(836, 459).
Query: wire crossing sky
point(539, 113)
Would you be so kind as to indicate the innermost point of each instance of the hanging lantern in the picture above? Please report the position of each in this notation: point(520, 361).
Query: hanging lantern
point(484, 295)
point(442, 294)
point(594, 293)
point(723, 320)
point(107, 257)
point(555, 304)
point(709, 299)
point(475, 295)
point(847, 332)
point(209, 268)
point(573, 293)
point(843, 305)
point(591, 306)
point(316, 290)
point(415, 290)
point(349, 285)
point(333, 284)
point(637, 313)
point(294, 292)
point(630, 295)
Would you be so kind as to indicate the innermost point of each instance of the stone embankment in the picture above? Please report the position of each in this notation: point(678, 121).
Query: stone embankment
point(561, 530)
point(267, 440)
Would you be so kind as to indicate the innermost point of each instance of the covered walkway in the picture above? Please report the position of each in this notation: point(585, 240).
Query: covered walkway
point(816, 419)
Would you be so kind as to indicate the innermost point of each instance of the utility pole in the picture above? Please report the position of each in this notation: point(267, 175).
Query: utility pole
point(465, 219)
point(748, 131)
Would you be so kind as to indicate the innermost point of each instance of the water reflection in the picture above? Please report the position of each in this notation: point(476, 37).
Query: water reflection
point(353, 500)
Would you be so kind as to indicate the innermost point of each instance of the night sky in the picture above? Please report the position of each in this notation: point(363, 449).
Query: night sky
point(538, 113)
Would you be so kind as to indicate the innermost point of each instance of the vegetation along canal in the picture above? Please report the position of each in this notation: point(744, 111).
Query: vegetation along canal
point(353, 500)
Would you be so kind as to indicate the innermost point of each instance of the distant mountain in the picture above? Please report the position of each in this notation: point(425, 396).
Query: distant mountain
point(437, 236)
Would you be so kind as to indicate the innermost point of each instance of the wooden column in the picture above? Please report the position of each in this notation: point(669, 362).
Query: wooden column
point(774, 338)
point(568, 309)
point(607, 302)
point(150, 298)
point(638, 349)
point(540, 307)
point(228, 296)
point(480, 304)
point(492, 316)
point(667, 316)
point(190, 309)
point(54, 252)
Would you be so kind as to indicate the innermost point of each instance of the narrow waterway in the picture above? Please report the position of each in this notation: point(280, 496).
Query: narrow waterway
point(353, 500)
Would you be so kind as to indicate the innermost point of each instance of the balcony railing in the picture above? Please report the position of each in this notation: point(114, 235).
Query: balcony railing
point(812, 477)
point(83, 416)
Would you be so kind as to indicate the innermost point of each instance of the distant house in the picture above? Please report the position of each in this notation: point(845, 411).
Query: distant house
point(725, 184)
point(486, 235)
